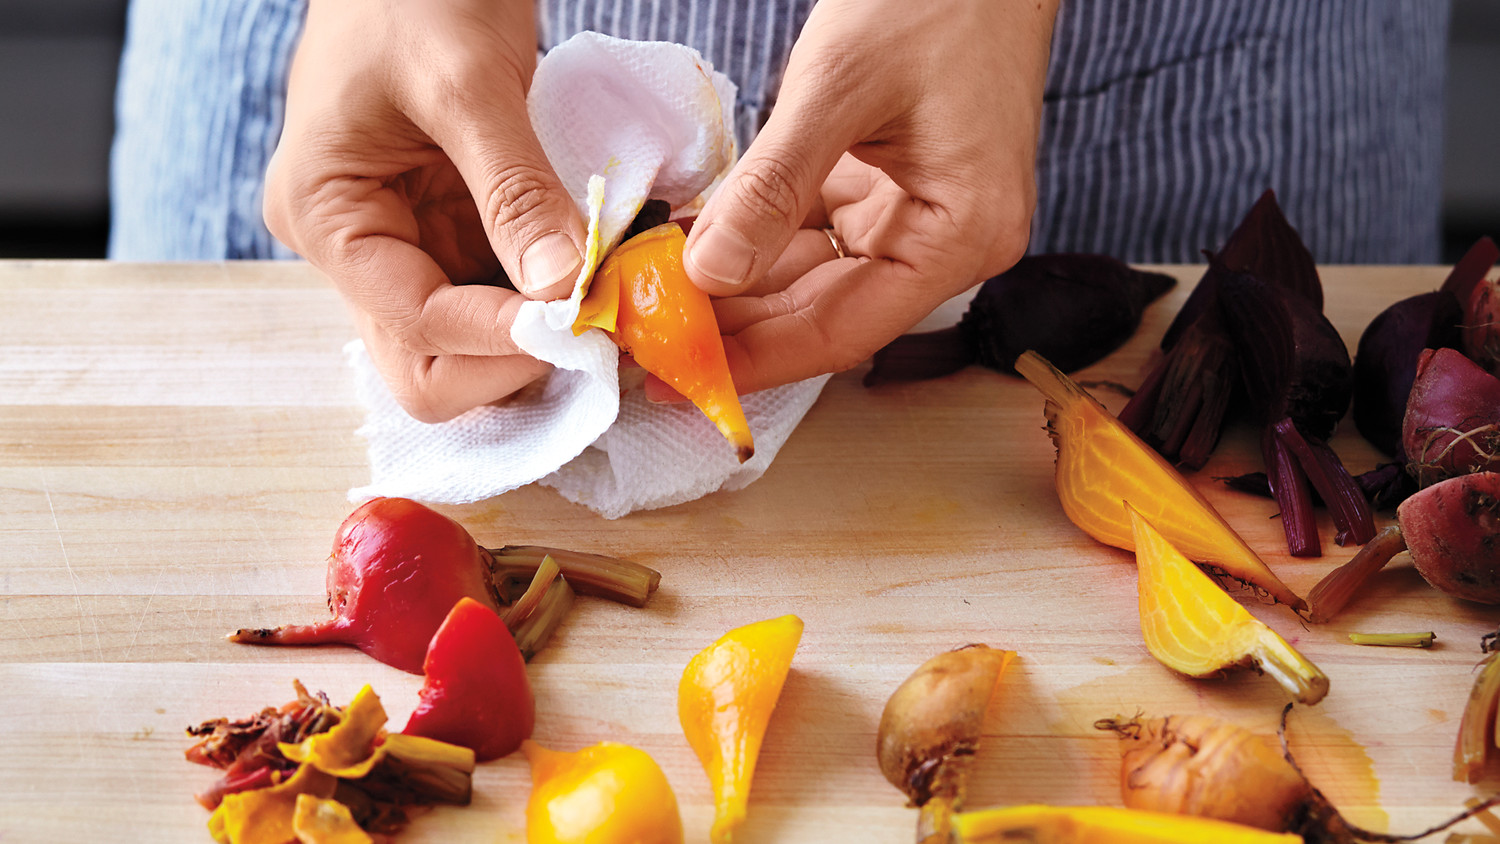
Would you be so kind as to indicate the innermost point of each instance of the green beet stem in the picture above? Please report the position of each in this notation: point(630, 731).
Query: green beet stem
point(589, 574)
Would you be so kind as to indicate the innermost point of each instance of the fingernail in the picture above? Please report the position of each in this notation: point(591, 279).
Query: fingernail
point(723, 255)
point(547, 263)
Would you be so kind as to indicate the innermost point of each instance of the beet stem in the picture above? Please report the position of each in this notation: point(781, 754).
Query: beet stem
point(1333, 592)
point(1289, 487)
point(1343, 497)
point(589, 574)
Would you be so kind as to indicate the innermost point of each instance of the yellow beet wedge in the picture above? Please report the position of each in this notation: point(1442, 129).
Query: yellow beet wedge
point(1190, 625)
point(724, 702)
point(1101, 464)
point(1103, 825)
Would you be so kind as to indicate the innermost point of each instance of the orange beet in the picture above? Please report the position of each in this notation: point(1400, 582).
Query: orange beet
point(668, 325)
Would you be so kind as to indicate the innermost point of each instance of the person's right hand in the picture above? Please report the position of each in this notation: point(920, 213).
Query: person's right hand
point(407, 172)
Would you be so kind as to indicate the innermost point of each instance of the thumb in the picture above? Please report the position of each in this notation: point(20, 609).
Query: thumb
point(751, 218)
point(533, 224)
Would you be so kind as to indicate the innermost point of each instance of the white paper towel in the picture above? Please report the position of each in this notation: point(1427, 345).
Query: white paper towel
point(621, 122)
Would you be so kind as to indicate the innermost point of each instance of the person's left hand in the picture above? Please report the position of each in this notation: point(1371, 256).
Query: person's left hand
point(911, 130)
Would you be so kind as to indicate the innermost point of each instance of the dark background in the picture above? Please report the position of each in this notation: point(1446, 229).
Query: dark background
point(58, 60)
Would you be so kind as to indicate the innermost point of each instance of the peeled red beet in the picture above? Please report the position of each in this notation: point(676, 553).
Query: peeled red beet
point(476, 693)
point(1452, 422)
point(396, 571)
point(1453, 532)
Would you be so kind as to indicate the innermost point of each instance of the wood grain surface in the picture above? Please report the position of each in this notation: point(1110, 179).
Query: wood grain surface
point(177, 442)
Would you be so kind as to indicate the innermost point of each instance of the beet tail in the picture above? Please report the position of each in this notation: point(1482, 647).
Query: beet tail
point(918, 357)
point(334, 631)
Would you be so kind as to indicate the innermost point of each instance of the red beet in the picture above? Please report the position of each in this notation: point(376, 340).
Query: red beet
point(1481, 329)
point(476, 694)
point(1452, 422)
point(1453, 532)
point(397, 569)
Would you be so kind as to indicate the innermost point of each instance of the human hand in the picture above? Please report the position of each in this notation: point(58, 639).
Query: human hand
point(409, 174)
point(911, 129)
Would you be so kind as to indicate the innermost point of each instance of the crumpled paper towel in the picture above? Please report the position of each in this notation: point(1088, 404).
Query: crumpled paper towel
point(621, 122)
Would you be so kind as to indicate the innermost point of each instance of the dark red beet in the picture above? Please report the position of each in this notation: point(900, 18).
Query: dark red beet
point(1481, 331)
point(1072, 309)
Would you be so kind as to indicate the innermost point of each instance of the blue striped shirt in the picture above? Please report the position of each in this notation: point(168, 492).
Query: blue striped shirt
point(1163, 120)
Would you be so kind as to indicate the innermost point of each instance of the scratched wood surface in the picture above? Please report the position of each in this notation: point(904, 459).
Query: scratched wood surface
point(176, 444)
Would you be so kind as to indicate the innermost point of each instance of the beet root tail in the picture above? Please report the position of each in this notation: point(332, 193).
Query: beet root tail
point(334, 631)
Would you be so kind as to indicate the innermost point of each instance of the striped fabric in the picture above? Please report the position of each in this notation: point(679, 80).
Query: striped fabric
point(1164, 118)
point(197, 114)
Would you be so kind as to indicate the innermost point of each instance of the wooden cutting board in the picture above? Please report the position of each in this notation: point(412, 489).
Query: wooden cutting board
point(177, 441)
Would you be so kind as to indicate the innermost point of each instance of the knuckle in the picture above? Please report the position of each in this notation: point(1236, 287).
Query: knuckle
point(838, 354)
point(1012, 232)
point(410, 329)
point(1003, 223)
point(413, 391)
point(276, 202)
point(515, 195)
point(770, 188)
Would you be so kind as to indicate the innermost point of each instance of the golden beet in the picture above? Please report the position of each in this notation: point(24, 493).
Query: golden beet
point(642, 297)
point(1190, 625)
point(930, 729)
point(725, 700)
point(1101, 464)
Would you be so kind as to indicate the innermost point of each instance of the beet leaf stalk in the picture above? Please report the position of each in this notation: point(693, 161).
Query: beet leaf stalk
point(1298, 379)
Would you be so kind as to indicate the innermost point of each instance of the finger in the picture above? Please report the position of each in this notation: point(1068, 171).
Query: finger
point(736, 313)
point(807, 249)
point(660, 392)
point(830, 325)
point(533, 224)
point(754, 214)
point(438, 388)
point(406, 293)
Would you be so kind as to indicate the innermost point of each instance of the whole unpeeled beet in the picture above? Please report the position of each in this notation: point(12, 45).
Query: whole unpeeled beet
point(1073, 309)
point(1452, 421)
point(1453, 532)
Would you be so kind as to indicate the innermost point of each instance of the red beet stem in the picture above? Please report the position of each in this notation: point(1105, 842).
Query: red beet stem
point(1340, 493)
point(1289, 487)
